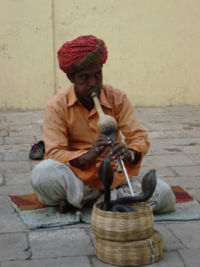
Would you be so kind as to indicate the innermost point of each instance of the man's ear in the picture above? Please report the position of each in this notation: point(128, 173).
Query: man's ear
point(70, 76)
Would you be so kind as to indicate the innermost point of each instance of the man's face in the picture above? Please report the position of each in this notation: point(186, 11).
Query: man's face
point(87, 79)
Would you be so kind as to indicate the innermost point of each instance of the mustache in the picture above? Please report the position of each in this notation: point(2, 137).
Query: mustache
point(94, 89)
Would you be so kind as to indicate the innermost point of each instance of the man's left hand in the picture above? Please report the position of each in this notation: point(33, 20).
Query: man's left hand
point(120, 150)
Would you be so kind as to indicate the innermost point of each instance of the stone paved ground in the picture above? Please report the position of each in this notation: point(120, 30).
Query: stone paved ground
point(175, 152)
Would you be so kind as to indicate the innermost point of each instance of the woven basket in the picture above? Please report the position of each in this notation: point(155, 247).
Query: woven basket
point(127, 226)
point(134, 253)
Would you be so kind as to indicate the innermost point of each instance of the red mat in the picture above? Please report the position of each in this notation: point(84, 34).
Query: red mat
point(31, 202)
point(181, 194)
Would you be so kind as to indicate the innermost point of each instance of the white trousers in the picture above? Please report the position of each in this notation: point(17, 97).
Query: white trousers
point(54, 181)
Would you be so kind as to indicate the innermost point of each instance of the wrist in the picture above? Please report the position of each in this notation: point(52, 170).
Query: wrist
point(89, 157)
point(132, 156)
point(84, 160)
point(135, 157)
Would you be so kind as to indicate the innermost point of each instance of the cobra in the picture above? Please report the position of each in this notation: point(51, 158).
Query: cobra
point(121, 204)
point(108, 126)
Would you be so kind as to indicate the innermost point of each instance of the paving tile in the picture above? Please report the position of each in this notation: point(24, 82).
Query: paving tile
point(5, 206)
point(3, 130)
point(33, 163)
point(1, 140)
point(187, 171)
point(163, 126)
point(195, 158)
point(182, 109)
point(150, 110)
point(97, 263)
point(191, 257)
point(15, 147)
point(172, 146)
point(2, 117)
point(170, 241)
point(14, 167)
point(15, 155)
point(146, 162)
point(195, 193)
point(162, 173)
point(193, 133)
point(186, 182)
point(13, 246)
point(27, 139)
point(191, 150)
point(187, 232)
point(1, 157)
point(60, 243)
point(24, 118)
point(156, 135)
point(19, 130)
point(16, 189)
point(11, 223)
point(174, 152)
point(170, 259)
point(17, 178)
point(79, 261)
point(171, 149)
point(165, 172)
point(173, 160)
point(1, 179)
point(187, 142)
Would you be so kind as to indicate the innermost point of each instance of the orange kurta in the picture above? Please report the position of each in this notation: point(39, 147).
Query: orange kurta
point(70, 131)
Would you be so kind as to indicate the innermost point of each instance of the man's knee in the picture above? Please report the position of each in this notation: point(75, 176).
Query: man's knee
point(163, 199)
point(42, 172)
point(166, 198)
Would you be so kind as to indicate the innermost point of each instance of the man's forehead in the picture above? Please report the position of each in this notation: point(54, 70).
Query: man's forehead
point(91, 69)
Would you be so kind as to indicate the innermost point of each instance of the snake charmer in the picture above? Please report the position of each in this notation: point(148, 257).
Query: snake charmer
point(74, 148)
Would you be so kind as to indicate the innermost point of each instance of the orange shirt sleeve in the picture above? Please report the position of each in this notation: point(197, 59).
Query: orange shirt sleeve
point(135, 136)
point(55, 135)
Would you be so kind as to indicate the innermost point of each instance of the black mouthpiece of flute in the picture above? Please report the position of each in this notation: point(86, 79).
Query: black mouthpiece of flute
point(94, 91)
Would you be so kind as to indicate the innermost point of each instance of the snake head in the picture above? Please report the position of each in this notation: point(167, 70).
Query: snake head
point(149, 182)
point(105, 172)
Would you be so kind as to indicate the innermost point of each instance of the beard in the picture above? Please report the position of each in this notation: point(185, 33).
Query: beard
point(86, 100)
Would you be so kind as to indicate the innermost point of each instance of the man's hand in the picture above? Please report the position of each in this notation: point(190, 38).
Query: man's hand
point(95, 151)
point(100, 145)
point(120, 150)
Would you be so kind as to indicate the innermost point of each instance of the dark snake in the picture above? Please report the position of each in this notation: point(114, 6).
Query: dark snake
point(105, 172)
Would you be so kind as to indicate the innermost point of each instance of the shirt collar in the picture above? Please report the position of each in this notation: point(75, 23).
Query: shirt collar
point(103, 98)
point(72, 98)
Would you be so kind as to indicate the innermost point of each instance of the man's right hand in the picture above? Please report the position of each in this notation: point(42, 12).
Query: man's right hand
point(100, 145)
point(95, 151)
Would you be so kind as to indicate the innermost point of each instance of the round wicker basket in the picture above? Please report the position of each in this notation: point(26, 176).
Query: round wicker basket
point(127, 226)
point(134, 253)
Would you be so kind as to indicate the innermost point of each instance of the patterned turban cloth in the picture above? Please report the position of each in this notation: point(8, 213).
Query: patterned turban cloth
point(81, 53)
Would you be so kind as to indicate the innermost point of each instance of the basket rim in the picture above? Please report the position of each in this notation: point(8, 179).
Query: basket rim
point(155, 237)
point(115, 214)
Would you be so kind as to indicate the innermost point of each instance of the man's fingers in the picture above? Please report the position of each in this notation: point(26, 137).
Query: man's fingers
point(119, 150)
point(105, 138)
point(103, 141)
point(98, 149)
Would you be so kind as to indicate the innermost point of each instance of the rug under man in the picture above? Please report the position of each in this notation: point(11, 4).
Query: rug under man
point(36, 215)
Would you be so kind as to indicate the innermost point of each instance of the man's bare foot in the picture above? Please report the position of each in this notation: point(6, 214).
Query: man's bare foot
point(64, 206)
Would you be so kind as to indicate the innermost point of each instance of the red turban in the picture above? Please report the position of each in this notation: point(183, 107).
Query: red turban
point(82, 52)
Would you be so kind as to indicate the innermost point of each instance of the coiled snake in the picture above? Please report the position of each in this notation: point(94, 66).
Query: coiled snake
point(105, 172)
